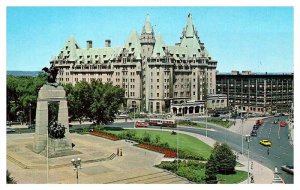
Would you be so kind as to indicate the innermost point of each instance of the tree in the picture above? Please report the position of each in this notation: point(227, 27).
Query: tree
point(106, 101)
point(79, 100)
point(21, 93)
point(211, 170)
point(97, 101)
point(225, 159)
point(9, 178)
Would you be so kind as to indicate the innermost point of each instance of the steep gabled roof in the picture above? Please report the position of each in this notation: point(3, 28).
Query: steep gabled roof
point(70, 48)
point(158, 47)
point(133, 44)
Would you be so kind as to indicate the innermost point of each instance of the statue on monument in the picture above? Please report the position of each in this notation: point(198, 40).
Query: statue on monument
point(56, 131)
point(52, 74)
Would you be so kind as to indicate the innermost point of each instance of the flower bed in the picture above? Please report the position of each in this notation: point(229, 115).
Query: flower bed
point(108, 136)
point(168, 153)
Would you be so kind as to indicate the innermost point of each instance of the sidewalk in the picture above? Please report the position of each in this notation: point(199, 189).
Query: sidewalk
point(261, 174)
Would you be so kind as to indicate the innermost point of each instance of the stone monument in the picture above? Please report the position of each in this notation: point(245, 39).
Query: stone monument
point(44, 142)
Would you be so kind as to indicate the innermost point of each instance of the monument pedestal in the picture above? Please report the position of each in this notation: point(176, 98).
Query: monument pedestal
point(47, 94)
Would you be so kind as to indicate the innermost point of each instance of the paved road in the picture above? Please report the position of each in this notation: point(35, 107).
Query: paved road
point(280, 153)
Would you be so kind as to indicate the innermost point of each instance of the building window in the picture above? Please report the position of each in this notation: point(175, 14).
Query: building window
point(157, 80)
point(157, 95)
point(157, 86)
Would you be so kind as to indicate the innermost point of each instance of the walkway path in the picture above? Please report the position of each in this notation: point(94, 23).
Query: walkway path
point(261, 174)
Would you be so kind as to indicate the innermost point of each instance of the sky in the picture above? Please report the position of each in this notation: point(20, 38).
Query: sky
point(259, 39)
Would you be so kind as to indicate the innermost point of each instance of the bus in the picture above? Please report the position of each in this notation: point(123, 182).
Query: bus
point(162, 122)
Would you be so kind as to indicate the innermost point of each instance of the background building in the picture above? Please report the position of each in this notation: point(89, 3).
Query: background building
point(153, 74)
point(256, 92)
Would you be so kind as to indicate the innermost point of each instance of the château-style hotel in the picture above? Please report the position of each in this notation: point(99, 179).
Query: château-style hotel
point(153, 74)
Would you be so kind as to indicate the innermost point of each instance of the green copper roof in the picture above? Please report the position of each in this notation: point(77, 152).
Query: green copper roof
point(147, 27)
point(189, 27)
point(133, 44)
point(158, 47)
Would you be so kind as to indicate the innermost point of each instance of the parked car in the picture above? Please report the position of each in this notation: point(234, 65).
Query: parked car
point(10, 130)
point(265, 142)
point(259, 122)
point(31, 126)
point(253, 133)
point(276, 114)
point(288, 168)
point(282, 123)
point(141, 124)
point(255, 127)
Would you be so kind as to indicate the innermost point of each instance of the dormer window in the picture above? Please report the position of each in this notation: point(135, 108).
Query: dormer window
point(132, 49)
point(177, 55)
point(199, 50)
point(104, 56)
point(183, 55)
point(67, 47)
point(158, 54)
point(129, 44)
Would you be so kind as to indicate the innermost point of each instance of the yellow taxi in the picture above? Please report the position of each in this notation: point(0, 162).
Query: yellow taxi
point(265, 142)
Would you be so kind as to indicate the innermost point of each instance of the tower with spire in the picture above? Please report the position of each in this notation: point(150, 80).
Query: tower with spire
point(147, 39)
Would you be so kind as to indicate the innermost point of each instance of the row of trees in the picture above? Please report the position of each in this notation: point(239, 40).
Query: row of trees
point(96, 101)
point(22, 93)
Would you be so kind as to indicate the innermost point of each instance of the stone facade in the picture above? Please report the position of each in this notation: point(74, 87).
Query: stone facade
point(49, 93)
point(153, 74)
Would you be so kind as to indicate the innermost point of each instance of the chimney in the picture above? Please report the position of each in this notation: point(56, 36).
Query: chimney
point(89, 44)
point(107, 43)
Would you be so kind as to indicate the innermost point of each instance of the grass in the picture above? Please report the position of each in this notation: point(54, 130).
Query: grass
point(225, 124)
point(195, 172)
point(238, 177)
point(190, 123)
point(185, 142)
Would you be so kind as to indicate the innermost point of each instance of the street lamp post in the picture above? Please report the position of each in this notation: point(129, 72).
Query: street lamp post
point(248, 141)
point(29, 114)
point(77, 166)
point(242, 133)
point(206, 122)
point(133, 117)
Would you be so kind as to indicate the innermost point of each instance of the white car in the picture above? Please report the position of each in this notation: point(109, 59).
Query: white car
point(10, 130)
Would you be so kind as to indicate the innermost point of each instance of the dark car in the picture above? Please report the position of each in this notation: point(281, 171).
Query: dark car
point(253, 133)
point(10, 130)
point(31, 126)
point(215, 115)
point(255, 127)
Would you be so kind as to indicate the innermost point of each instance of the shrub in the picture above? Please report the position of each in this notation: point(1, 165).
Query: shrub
point(225, 159)
point(147, 137)
point(157, 139)
point(189, 155)
point(211, 170)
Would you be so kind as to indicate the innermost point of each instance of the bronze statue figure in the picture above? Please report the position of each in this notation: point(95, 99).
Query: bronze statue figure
point(51, 73)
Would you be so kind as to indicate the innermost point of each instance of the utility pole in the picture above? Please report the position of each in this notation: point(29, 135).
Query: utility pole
point(242, 133)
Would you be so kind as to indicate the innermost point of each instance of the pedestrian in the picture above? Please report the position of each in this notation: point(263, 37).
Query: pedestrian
point(118, 151)
point(252, 179)
point(121, 152)
point(268, 150)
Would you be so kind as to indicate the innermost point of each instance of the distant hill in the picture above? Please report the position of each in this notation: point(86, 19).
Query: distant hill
point(23, 73)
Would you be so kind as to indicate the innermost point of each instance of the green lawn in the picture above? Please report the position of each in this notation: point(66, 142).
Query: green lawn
point(191, 124)
point(195, 171)
point(238, 177)
point(225, 124)
point(185, 142)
